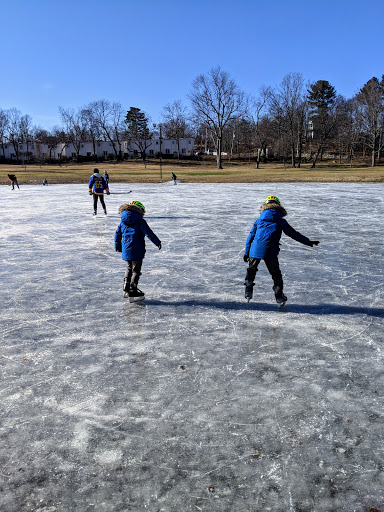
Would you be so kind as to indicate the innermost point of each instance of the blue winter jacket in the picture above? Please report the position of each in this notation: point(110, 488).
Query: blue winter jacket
point(263, 241)
point(130, 234)
point(97, 184)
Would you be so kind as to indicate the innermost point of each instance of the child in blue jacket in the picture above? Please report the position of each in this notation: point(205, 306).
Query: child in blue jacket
point(130, 241)
point(263, 244)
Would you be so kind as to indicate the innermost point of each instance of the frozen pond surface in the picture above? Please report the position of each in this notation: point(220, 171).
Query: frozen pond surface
point(195, 401)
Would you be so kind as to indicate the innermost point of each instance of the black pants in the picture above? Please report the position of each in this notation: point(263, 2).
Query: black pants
point(133, 272)
point(101, 197)
point(272, 266)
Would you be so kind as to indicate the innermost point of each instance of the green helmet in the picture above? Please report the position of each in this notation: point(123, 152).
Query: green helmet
point(272, 199)
point(139, 205)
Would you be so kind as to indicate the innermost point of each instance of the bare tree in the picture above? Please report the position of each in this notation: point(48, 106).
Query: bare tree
point(13, 130)
point(109, 117)
point(175, 123)
point(3, 129)
point(217, 100)
point(26, 132)
point(93, 128)
point(75, 127)
point(258, 106)
point(370, 101)
point(288, 106)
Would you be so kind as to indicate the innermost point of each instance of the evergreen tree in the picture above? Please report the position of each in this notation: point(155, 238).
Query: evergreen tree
point(323, 101)
point(138, 130)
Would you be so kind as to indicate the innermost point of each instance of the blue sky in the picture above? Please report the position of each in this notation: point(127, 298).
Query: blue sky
point(146, 53)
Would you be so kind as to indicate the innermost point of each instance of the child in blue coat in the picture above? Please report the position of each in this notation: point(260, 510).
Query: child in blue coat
point(263, 244)
point(130, 241)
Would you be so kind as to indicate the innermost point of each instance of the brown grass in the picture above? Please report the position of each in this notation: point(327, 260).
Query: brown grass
point(192, 172)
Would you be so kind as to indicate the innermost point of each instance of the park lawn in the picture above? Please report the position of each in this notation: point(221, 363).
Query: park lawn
point(191, 172)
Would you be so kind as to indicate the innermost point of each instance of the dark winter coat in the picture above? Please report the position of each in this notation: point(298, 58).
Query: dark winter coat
point(130, 234)
point(263, 241)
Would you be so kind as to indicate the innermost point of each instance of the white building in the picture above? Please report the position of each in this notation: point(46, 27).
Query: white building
point(104, 149)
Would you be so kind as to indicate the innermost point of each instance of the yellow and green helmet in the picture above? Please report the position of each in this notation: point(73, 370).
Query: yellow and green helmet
point(272, 199)
point(139, 205)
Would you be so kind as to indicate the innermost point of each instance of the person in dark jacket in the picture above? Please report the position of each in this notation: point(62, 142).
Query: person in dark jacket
point(263, 244)
point(174, 177)
point(13, 179)
point(97, 186)
point(130, 241)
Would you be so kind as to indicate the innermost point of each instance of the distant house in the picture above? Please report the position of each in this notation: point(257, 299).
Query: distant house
point(104, 149)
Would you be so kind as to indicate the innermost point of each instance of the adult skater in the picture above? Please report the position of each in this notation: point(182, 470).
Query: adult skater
point(106, 178)
point(130, 241)
point(174, 177)
point(97, 187)
point(13, 180)
point(263, 244)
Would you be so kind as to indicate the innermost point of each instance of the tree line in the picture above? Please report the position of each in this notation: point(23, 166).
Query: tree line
point(293, 121)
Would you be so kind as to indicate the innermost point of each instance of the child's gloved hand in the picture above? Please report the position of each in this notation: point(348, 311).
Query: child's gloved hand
point(159, 246)
point(90, 193)
point(246, 258)
point(314, 242)
point(108, 193)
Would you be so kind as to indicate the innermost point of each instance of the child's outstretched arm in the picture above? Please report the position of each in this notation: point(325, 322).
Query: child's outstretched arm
point(292, 233)
point(151, 235)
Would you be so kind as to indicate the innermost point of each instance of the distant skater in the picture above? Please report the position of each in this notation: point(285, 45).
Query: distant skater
point(97, 186)
point(130, 241)
point(13, 180)
point(106, 178)
point(45, 181)
point(174, 177)
point(263, 244)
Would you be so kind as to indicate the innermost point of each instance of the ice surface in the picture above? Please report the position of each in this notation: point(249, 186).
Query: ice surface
point(195, 401)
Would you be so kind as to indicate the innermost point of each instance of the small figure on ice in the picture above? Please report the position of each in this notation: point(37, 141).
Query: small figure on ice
point(97, 186)
point(174, 177)
point(263, 244)
point(130, 241)
point(13, 181)
point(106, 178)
point(45, 181)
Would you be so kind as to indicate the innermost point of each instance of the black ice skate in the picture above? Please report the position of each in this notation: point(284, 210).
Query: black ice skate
point(281, 299)
point(135, 294)
point(249, 290)
point(126, 288)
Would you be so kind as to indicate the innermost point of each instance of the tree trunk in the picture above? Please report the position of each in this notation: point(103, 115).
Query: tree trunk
point(316, 157)
point(293, 155)
point(299, 151)
point(373, 158)
point(218, 149)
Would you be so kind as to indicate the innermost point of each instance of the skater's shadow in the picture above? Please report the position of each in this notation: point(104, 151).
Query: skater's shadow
point(309, 309)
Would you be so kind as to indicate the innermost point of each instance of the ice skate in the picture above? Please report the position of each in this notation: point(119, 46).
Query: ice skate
point(249, 290)
point(126, 288)
point(136, 295)
point(281, 299)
